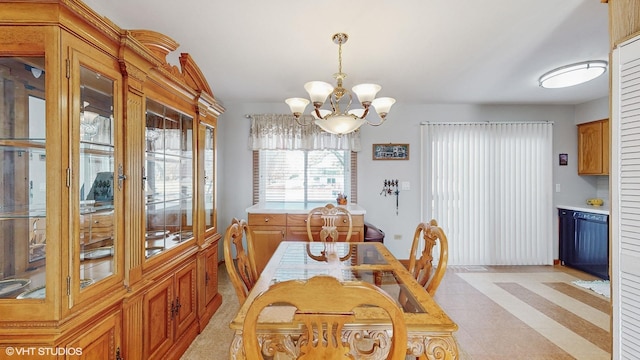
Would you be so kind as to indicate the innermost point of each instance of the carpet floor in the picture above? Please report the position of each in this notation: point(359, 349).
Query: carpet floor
point(213, 342)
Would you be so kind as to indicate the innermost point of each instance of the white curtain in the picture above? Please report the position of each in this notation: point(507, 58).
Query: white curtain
point(489, 187)
point(282, 132)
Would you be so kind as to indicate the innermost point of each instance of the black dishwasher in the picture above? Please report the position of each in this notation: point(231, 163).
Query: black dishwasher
point(588, 248)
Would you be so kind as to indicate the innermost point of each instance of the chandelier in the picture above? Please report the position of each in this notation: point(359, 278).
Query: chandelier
point(337, 121)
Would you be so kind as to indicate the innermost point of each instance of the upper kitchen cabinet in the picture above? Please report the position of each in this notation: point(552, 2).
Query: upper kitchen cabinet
point(108, 156)
point(593, 148)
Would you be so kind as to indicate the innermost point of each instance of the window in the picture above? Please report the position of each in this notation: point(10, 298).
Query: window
point(303, 176)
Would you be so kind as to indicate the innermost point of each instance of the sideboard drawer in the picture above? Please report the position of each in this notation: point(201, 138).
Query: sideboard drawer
point(268, 219)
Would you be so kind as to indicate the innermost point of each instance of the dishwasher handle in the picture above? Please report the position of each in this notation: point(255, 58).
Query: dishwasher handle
point(601, 218)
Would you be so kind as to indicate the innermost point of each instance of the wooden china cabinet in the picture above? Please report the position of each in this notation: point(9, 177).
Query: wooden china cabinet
point(108, 234)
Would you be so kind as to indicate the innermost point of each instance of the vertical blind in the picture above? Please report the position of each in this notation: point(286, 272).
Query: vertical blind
point(489, 187)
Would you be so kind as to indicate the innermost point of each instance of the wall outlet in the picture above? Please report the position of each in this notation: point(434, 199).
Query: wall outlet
point(397, 237)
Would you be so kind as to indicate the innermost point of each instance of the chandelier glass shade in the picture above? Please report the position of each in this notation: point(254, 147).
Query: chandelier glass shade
point(573, 74)
point(335, 120)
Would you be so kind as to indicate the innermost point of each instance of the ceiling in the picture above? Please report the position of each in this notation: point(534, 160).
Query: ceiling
point(420, 51)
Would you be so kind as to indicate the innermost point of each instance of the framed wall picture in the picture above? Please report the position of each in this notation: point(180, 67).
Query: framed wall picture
point(563, 159)
point(390, 151)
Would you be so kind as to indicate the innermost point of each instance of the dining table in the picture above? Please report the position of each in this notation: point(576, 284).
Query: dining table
point(430, 331)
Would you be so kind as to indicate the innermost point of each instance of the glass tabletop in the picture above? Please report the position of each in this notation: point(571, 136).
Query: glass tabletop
point(346, 262)
point(349, 254)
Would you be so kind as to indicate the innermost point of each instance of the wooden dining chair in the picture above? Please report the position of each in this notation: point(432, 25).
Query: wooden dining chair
point(242, 270)
point(330, 216)
point(424, 241)
point(324, 319)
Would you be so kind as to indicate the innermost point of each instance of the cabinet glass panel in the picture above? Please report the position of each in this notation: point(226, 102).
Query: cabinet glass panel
point(169, 178)
point(96, 176)
point(209, 178)
point(23, 217)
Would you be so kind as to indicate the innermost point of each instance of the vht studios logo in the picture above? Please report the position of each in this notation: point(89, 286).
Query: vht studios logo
point(43, 351)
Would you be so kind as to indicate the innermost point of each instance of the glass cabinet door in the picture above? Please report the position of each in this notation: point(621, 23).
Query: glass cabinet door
point(169, 178)
point(97, 174)
point(209, 178)
point(23, 217)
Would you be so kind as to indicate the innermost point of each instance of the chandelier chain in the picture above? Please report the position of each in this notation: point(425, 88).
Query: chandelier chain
point(340, 57)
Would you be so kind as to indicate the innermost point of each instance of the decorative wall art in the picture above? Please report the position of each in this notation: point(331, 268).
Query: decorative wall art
point(563, 159)
point(390, 151)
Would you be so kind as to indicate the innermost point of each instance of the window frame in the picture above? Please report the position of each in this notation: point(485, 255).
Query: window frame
point(353, 177)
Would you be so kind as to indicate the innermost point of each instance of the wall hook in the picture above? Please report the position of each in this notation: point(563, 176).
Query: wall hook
point(391, 188)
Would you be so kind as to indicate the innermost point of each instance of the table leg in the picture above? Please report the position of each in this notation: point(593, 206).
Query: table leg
point(426, 347)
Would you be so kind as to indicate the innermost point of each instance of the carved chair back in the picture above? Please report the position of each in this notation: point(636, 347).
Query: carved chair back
point(324, 319)
point(425, 239)
point(330, 216)
point(242, 269)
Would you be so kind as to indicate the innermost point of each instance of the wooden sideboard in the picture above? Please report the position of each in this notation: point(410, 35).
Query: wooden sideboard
point(271, 226)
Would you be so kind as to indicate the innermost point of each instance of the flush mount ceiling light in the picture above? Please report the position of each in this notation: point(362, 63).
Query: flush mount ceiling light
point(336, 121)
point(573, 74)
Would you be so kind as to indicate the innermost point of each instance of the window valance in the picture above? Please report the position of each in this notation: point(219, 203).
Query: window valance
point(282, 132)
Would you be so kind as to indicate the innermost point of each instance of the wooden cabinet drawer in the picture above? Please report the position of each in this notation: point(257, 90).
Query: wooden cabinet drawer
point(301, 220)
point(268, 219)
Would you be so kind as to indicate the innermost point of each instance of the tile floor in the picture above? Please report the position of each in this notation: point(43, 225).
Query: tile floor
point(525, 312)
point(503, 313)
